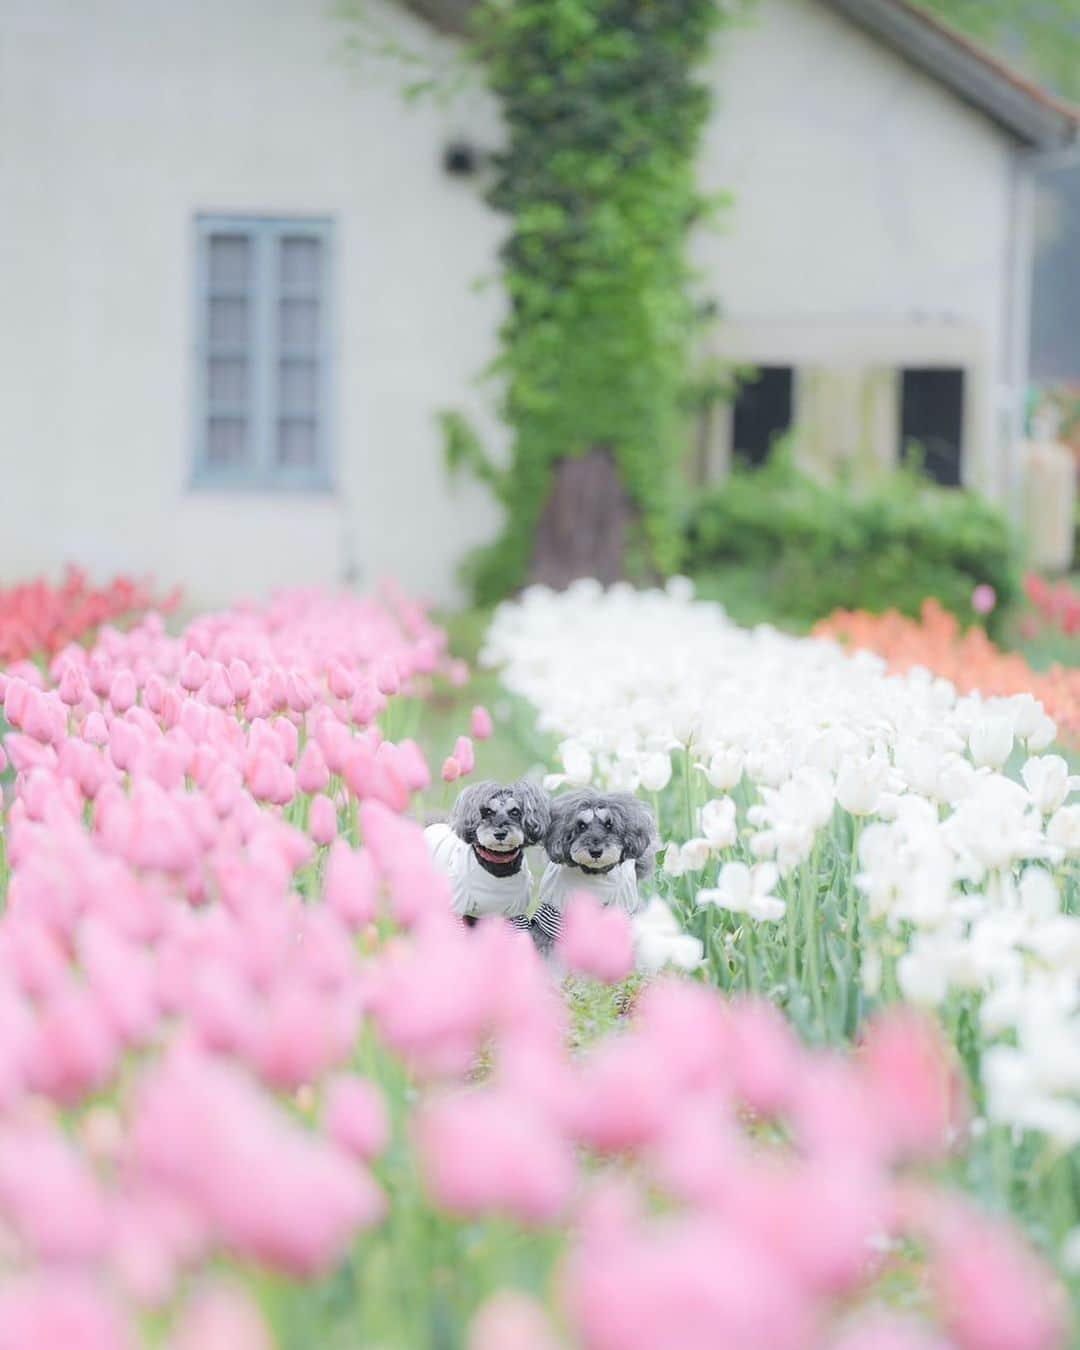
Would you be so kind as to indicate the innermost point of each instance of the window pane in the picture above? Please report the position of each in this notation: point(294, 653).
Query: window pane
point(932, 418)
point(762, 412)
point(230, 262)
point(299, 324)
point(298, 384)
point(225, 441)
point(297, 441)
point(300, 261)
point(228, 379)
point(228, 322)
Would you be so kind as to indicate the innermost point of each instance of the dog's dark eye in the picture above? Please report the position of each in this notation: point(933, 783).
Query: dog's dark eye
point(579, 828)
point(515, 813)
point(486, 812)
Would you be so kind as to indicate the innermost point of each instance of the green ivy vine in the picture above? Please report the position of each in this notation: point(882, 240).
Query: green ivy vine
point(604, 111)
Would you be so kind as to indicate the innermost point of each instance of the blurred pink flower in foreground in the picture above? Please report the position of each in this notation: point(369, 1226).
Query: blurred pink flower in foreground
point(597, 940)
point(983, 599)
point(511, 1321)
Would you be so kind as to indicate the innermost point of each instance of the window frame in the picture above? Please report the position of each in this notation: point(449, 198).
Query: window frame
point(261, 473)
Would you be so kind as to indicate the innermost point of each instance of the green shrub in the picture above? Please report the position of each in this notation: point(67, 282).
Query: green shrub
point(820, 546)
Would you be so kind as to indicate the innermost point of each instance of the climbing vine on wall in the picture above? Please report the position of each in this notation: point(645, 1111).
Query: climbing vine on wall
point(604, 108)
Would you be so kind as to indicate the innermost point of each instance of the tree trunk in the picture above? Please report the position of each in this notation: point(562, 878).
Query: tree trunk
point(586, 523)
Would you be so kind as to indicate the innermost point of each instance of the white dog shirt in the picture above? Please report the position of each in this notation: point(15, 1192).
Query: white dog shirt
point(618, 887)
point(475, 891)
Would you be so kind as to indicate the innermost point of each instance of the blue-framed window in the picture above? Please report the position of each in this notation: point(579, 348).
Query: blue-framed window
point(264, 353)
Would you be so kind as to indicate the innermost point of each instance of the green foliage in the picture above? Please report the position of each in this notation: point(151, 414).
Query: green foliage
point(603, 115)
point(818, 547)
point(1047, 33)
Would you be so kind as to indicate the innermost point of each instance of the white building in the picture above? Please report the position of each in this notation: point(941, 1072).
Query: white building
point(237, 275)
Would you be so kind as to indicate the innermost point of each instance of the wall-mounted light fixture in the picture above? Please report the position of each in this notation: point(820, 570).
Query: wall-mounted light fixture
point(461, 159)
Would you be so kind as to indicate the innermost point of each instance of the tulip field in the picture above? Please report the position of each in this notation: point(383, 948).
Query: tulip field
point(260, 1088)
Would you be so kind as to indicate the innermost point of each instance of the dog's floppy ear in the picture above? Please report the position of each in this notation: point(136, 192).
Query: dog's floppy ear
point(564, 809)
point(637, 826)
point(535, 809)
point(465, 816)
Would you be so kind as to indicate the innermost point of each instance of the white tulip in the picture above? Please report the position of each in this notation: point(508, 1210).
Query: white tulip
point(695, 854)
point(922, 981)
point(655, 772)
point(718, 822)
point(859, 784)
point(1046, 778)
point(743, 890)
point(1039, 894)
point(660, 942)
point(1044, 735)
point(991, 740)
point(673, 863)
point(725, 768)
point(576, 761)
point(1063, 829)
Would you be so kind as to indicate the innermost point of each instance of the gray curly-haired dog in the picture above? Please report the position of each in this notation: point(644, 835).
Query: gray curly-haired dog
point(601, 843)
point(482, 848)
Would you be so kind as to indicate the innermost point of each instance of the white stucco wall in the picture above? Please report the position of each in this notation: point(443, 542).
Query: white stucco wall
point(868, 201)
point(119, 121)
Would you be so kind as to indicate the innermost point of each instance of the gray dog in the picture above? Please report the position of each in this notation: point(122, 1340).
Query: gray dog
point(601, 843)
point(482, 849)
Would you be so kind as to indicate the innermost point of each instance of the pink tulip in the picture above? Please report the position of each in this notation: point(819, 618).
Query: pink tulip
point(463, 753)
point(387, 679)
point(451, 770)
point(301, 1035)
point(480, 724)
point(366, 703)
point(689, 1282)
point(60, 1311)
point(50, 1196)
point(413, 767)
point(595, 941)
point(511, 1321)
point(351, 886)
point(122, 691)
point(269, 1189)
point(100, 673)
point(221, 1318)
point(879, 1332)
point(73, 686)
point(342, 682)
point(913, 1082)
point(993, 1294)
point(483, 1152)
point(624, 1104)
point(74, 1050)
point(983, 599)
point(219, 690)
point(766, 1061)
point(323, 820)
point(193, 672)
point(356, 1118)
point(239, 679)
point(312, 774)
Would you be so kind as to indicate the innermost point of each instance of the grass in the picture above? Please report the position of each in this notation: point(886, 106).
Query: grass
point(515, 749)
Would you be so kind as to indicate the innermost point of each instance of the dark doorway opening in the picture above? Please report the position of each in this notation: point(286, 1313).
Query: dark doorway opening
point(762, 412)
point(932, 417)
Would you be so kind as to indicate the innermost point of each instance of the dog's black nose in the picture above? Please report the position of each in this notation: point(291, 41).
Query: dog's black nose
point(500, 834)
point(595, 852)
